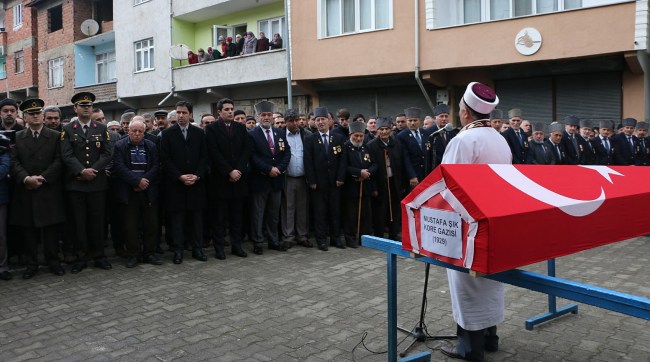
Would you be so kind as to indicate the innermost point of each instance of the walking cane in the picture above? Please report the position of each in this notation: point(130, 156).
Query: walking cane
point(359, 212)
point(390, 203)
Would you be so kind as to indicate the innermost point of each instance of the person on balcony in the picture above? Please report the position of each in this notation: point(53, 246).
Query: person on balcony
point(250, 44)
point(239, 44)
point(262, 43)
point(192, 57)
point(231, 48)
point(203, 56)
point(276, 43)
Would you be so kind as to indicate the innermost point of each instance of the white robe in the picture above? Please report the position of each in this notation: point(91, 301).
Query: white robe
point(477, 303)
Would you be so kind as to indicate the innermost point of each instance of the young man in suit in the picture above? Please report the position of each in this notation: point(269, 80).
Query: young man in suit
point(412, 138)
point(325, 175)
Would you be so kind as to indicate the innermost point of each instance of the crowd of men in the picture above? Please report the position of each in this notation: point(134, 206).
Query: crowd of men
point(269, 178)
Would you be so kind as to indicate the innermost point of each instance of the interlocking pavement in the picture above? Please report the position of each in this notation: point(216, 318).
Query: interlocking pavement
point(304, 304)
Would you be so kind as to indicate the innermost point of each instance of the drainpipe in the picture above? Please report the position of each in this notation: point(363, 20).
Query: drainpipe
point(287, 13)
point(171, 61)
point(417, 55)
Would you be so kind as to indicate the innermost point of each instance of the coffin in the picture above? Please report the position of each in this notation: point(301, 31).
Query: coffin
point(491, 218)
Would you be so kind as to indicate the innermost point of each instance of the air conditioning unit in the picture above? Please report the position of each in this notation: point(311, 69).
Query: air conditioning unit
point(2, 50)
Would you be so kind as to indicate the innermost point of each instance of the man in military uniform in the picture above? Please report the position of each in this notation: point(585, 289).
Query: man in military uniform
point(358, 186)
point(626, 144)
point(641, 133)
point(516, 138)
point(325, 175)
point(37, 200)
point(86, 150)
point(412, 141)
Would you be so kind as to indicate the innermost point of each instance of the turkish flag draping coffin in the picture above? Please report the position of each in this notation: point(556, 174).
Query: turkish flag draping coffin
point(491, 218)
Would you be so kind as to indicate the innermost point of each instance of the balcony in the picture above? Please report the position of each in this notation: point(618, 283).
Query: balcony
point(252, 68)
point(201, 10)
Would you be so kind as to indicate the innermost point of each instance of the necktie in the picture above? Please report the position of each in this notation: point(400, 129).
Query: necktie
point(521, 141)
point(444, 136)
point(642, 145)
point(575, 143)
point(606, 143)
point(35, 136)
point(86, 129)
point(418, 138)
point(184, 130)
point(559, 154)
point(269, 139)
point(629, 140)
point(325, 142)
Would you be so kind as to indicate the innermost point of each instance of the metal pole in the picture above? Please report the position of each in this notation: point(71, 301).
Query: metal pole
point(287, 13)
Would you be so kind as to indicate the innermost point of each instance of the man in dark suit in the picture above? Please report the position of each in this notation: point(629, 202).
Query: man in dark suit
point(325, 175)
point(413, 146)
point(586, 147)
point(554, 141)
point(8, 115)
point(516, 138)
point(184, 160)
point(37, 201)
point(641, 133)
point(570, 140)
point(86, 150)
point(436, 143)
point(135, 171)
point(541, 152)
point(386, 151)
point(270, 155)
point(626, 144)
point(229, 150)
point(603, 144)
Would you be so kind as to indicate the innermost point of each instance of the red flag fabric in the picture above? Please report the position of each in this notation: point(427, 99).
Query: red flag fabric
point(491, 218)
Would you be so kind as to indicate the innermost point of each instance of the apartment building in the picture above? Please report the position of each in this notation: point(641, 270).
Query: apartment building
point(18, 50)
point(154, 71)
point(552, 58)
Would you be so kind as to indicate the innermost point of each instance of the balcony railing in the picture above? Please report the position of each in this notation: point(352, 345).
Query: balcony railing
point(252, 68)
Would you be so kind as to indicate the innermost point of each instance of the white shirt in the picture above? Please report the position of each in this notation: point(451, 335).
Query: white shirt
point(477, 303)
point(296, 163)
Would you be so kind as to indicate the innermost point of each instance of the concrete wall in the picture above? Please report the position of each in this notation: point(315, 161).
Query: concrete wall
point(131, 28)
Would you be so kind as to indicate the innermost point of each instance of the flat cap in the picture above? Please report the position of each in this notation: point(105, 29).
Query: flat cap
point(160, 113)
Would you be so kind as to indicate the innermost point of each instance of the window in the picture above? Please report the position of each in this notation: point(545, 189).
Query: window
point(18, 16)
point(352, 16)
point(273, 26)
point(458, 12)
point(55, 18)
point(103, 11)
point(144, 55)
point(19, 61)
point(105, 67)
point(55, 73)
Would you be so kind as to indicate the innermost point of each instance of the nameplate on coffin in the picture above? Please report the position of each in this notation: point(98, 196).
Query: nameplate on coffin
point(440, 232)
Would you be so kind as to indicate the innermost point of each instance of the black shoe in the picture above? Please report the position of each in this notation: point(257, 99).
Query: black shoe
point(57, 270)
point(77, 267)
point(288, 245)
point(178, 257)
point(5, 275)
point(258, 250)
point(131, 262)
point(219, 254)
point(278, 247)
point(152, 259)
point(199, 255)
point(322, 247)
point(340, 245)
point(103, 264)
point(306, 243)
point(450, 351)
point(239, 252)
point(30, 272)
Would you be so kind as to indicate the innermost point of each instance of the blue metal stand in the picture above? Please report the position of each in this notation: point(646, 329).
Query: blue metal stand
point(548, 284)
point(553, 312)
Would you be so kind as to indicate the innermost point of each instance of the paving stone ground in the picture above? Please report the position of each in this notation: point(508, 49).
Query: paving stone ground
point(303, 305)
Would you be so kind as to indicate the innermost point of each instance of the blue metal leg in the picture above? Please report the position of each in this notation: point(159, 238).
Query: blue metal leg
point(391, 269)
point(553, 312)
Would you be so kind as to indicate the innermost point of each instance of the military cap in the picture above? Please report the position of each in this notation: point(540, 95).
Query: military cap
point(642, 125)
point(628, 122)
point(356, 127)
point(515, 112)
point(291, 114)
point(441, 109)
point(264, 107)
point(160, 113)
point(585, 123)
point(384, 122)
point(496, 114)
point(32, 105)
point(480, 98)
point(83, 98)
point(238, 112)
point(413, 112)
point(572, 121)
point(606, 123)
point(8, 102)
point(539, 127)
point(556, 127)
point(321, 112)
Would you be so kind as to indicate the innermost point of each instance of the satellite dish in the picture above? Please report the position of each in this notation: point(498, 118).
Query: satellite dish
point(89, 27)
point(179, 51)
